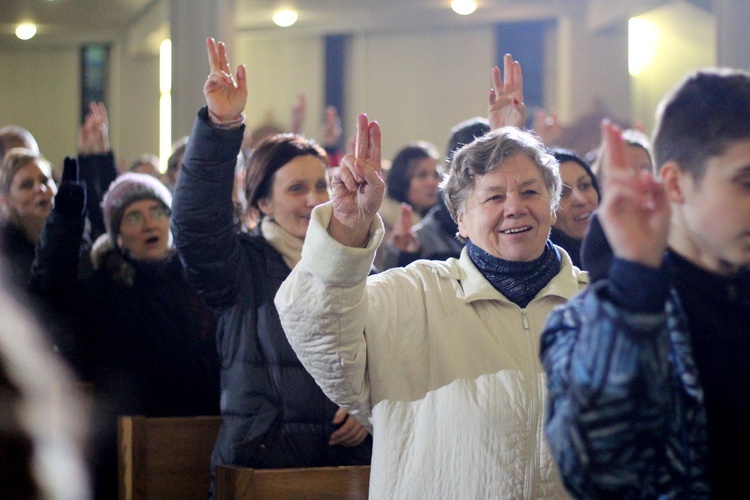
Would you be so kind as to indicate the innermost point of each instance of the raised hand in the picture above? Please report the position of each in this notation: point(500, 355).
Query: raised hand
point(93, 136)
point(331, 133)
point(226, 94)
point(299, 113)
point(506, 106)
point(402, 236)
point(635, 210)
point(547, 127)
point(357, 187)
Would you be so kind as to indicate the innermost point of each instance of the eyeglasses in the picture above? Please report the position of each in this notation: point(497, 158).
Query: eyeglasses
point(136, 218)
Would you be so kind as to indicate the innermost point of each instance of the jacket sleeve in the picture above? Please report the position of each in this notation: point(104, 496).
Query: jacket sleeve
point(54, 277)
point(202, 212)
point(608, 385)
point(98, 172)
point(323, 306)
point(54, 274)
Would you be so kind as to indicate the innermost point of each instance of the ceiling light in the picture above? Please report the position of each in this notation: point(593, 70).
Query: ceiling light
point(463, 7)
point(285, 18)
point(25, 31)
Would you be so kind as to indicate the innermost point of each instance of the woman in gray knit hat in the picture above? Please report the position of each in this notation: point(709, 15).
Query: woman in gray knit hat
point(145, 339)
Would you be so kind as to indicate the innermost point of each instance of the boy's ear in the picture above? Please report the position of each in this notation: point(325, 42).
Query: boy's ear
point(673, 179)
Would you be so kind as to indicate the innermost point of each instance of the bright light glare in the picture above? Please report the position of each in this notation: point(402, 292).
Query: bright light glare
point(25, 31)
point(165, 103)
point(165, 66)
point(463, 7)
point(285, 18)
point(642, 38)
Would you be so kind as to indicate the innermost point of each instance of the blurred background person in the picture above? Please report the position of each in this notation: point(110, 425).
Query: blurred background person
point(13, 136)
point(144, 338)
point(411, 190)
point(436, 236)
point(147, 163)
point(273, 413)
point(580, 197)
point(42, 414)
point(26, 193)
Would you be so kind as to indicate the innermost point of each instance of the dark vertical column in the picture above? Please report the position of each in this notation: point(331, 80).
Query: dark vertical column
point(94, 70)
point(335, 74)
point(525, 40)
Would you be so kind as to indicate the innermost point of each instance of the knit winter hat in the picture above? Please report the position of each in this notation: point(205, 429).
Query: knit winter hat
point(126, 189)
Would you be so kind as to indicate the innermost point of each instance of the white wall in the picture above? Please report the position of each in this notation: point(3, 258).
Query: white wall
point(133, 105)
point(277, 70)
point(39, 90)
point(419, 85)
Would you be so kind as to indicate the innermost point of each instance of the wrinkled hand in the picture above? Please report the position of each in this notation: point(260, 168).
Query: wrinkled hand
point(93, 136)
point(635, 210)
point(226, 94)
point(547, 127)
point(357, 187)
point(299, 113)
point(332, 131)
point(402, 236)
point(351, 433)
point(506, 106)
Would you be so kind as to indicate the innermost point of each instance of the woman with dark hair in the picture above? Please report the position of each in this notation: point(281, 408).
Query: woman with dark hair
point(579, 198)
point(274, 414)
point(411, 190)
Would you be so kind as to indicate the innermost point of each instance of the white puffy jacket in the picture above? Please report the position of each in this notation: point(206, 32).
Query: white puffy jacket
point(442, 367)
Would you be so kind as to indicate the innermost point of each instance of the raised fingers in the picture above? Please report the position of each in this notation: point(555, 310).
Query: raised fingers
point(508, 73)
point(614, 159)
point(374, 147)
point(213, 56)
point(345, 174)
point(362, 143)
point(497, 82)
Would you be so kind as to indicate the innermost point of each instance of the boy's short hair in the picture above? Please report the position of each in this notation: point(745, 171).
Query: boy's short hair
point(700, 117)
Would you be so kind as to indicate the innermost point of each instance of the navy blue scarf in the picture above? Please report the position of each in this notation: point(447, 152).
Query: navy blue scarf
point(518, 281)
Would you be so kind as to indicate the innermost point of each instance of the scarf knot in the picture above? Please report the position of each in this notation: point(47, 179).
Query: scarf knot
point(518, 281)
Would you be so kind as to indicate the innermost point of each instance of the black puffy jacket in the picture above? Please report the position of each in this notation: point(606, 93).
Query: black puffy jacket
point(274, 414)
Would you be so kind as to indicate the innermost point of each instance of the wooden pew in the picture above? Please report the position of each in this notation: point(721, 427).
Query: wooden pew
point(165, 458)
point(317, 483)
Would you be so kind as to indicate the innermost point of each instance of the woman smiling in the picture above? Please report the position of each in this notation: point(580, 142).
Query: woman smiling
point(439, 359)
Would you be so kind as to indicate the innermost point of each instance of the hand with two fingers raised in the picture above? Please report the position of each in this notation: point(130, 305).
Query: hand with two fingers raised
point(506, 106)
point(226, 93)
point(357, 187)
point(635, 211)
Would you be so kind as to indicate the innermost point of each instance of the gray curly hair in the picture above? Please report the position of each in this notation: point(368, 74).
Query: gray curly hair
point(487, 153)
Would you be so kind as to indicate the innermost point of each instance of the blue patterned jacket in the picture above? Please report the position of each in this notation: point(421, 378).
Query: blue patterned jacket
point(625, 415)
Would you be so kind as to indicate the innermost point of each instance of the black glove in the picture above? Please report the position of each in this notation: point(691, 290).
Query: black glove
point(70, 199)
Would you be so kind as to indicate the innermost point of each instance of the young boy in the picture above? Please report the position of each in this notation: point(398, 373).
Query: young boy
point(649, 368)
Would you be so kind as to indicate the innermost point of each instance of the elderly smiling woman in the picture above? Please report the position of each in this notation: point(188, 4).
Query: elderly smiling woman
point(440, 359)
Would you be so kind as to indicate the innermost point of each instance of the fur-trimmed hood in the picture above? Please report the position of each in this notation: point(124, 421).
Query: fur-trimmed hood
point(106, 256)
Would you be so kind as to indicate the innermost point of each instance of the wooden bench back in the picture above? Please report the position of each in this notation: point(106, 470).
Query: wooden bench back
point(168, 457)
point(330, 483)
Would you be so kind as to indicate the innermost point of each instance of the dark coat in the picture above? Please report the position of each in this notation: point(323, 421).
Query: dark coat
point(17, 253)
point(140, 334)
point(274, 414)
